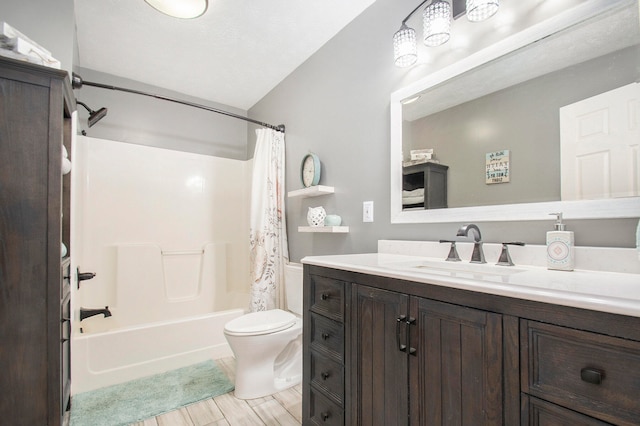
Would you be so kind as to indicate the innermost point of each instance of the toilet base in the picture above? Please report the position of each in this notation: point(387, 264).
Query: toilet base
point(267, 364)
point(258, 381)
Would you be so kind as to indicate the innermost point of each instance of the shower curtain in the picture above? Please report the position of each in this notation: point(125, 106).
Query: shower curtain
point(268, 230)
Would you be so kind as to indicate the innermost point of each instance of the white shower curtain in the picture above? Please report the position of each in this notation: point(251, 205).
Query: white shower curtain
point(268, 229)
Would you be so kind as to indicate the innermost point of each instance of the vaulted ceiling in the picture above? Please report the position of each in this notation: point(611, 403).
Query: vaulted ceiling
point(234, 54)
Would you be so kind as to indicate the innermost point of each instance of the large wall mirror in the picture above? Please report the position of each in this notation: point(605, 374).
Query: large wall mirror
point(529, 126)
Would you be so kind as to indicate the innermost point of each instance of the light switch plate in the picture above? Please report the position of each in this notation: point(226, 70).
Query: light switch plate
point(367, 211)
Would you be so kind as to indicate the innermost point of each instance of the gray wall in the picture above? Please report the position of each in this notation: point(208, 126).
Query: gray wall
point(525, 120)
point(336, 104)
point(149, 121)
point(131, 118)
point(49, 23)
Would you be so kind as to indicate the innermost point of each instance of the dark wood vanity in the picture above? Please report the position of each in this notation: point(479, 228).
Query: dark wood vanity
point(36, 104)
point(385, 351)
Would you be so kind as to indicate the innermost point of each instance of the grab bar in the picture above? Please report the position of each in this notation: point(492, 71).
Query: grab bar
point(181, 252)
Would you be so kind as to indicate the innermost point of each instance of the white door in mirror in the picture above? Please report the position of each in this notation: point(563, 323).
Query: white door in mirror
point(599, 143)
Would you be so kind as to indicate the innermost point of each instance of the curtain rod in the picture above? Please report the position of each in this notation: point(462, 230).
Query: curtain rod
point(77, 82)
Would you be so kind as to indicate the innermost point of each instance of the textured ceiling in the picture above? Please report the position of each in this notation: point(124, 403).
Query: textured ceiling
point(234, 54)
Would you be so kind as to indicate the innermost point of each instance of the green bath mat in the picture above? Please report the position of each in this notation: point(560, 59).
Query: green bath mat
point(139, 399)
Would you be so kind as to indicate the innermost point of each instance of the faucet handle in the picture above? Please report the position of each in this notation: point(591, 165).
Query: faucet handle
point(505, 258)
point(453, 253)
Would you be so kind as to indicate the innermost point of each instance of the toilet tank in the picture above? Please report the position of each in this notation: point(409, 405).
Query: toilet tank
point(293, 287)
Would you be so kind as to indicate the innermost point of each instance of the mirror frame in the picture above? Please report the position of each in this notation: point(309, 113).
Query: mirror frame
point(584, 209)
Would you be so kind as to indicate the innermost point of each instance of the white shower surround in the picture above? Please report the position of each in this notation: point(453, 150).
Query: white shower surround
point(138, 201)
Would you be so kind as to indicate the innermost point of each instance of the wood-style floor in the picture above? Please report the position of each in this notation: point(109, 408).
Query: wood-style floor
point(284, 408)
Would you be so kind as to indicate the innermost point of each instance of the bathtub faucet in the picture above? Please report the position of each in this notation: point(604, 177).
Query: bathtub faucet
point(86, 313)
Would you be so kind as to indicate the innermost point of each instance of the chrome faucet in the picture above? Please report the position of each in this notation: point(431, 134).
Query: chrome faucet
point(478, 255)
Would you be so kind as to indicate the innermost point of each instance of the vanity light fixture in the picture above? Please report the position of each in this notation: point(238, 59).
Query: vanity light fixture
point(436, 21)
point(437, 25)
point(185, 9)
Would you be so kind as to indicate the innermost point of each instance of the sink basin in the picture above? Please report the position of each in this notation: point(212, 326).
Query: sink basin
point(458, 269)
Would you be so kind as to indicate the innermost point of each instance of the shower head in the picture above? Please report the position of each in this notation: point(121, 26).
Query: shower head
point(94, 116)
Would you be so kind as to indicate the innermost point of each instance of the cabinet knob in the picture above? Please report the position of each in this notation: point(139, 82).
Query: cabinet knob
point(592, 375)
point(324, 296)
point(325, 416)
point(325, 336)
point(325, 375)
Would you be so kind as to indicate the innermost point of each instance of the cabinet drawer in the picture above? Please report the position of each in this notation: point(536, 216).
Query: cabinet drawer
point(536, 412)
point(595, 374)
point(328, 376)
point(323, 411)
point(327, 296)
point(327, 337)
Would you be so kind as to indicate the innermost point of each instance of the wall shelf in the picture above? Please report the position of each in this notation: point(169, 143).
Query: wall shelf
point(312, 191)
point(326, 229)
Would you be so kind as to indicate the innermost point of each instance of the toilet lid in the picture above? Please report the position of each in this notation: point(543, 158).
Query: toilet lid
point(262, 322)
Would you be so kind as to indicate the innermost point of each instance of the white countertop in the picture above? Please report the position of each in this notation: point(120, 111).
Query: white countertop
point(614, 292)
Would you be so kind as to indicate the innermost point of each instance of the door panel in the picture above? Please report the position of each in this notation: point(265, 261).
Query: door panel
point(379, 367)
point(456, 375)
point(600, 145)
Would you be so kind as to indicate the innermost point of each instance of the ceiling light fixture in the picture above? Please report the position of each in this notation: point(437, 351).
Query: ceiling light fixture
point(437, 25)
point(185, 9)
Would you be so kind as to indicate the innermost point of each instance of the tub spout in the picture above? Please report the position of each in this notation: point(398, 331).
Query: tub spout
point(86, 313)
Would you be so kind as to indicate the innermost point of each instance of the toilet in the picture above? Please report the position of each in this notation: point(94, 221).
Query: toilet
point(268, 345)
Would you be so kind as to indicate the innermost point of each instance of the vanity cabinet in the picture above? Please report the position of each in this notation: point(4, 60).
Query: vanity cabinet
point(414, 353)
point(36, 104)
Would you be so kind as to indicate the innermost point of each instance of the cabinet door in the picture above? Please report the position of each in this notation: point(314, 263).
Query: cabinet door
point(456, 370)
point(378, 366)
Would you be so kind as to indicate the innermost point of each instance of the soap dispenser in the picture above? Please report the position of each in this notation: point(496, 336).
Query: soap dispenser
point(560, 249)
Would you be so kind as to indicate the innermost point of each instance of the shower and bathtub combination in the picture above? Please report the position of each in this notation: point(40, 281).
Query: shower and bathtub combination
point(164, 317)
point(166, 234)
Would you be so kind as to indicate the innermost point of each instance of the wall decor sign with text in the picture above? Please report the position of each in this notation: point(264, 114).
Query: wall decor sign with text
point(497, 167)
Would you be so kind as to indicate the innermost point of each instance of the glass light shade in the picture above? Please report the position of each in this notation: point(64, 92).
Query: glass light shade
point(405, 51)
point(185, 9)
point(436, 20)
point(479, 10)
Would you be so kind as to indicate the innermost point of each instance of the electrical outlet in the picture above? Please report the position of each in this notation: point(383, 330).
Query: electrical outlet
point(367, 211)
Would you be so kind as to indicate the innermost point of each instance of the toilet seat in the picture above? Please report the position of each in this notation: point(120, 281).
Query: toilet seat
point(263, 322)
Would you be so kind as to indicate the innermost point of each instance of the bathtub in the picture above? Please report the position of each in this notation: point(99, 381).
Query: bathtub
point(168, 307)
point(104, 358)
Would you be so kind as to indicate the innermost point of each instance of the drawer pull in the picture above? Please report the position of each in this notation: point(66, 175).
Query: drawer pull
point(324, 375)
point(592, 375)
point(325, 336)
point(324, 296)
point(325, 416)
